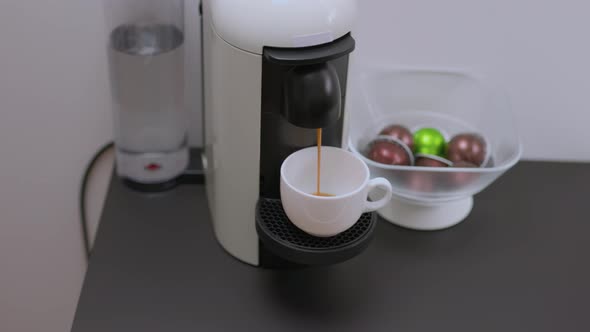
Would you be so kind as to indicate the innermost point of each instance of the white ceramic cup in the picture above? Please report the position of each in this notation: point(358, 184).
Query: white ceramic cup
point(343, 175)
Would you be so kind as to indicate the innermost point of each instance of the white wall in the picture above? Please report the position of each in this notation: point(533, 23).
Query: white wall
point(537, 49)
point(54, 113)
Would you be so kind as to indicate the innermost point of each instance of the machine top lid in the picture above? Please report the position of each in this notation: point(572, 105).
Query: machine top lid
point(252, 24)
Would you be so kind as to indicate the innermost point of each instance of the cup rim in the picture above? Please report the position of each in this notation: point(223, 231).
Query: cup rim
point(340, 150)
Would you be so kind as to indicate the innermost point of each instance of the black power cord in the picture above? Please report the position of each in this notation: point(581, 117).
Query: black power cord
point(82, 196)
point(192, 175)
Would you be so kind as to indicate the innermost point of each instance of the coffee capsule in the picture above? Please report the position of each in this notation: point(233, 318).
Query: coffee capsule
point(399, 132)
point(467, 147)
point(420, 182)
point(460, 178)
point(426, 160)
point(464, 164)
point(390, 151)
point(430, 141)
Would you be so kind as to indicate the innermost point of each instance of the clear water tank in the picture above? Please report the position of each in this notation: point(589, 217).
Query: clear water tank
point(146, 62)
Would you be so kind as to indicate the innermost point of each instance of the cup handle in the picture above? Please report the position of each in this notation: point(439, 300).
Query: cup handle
point(378, 183)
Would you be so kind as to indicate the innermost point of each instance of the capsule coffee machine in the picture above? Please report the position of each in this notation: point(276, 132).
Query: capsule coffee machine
point(274, 72)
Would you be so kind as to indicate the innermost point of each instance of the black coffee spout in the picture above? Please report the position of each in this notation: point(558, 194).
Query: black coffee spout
point(312, 96)
point(303, 88)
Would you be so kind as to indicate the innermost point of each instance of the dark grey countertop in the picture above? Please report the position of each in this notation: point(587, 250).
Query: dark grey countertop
point(520, 262)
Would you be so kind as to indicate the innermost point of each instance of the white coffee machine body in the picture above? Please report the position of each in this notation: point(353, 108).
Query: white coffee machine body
point(235, 33)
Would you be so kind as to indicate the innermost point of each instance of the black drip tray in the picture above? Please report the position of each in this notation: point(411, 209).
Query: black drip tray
point(287, 241)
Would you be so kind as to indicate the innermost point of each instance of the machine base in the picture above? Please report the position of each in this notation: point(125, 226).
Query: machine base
point(285, 240)
point(150, 187)
point(154, 171)
point(426, 216)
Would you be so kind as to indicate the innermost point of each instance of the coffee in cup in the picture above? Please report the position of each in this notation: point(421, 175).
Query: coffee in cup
point(344, 176)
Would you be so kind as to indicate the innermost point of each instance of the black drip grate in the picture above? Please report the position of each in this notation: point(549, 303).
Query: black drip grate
point(286, 240)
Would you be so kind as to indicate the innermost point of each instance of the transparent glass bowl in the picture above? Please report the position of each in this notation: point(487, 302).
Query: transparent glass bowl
point(453, 102)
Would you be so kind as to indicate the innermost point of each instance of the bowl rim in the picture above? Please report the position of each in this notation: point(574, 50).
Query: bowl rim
point(468, 73)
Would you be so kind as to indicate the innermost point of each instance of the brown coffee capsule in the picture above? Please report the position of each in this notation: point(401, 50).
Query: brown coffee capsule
point(460, 178)
point(399, 132)
point(467, 147)
point(389, 151)
point(426, 160)
point(423, 182)
point(464, 164)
